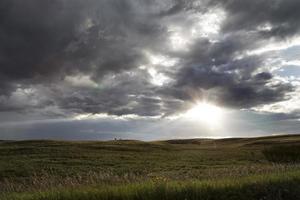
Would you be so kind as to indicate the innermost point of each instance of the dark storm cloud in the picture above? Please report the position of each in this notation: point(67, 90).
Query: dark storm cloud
point(233, 82)
point(130, 94)
point(43, 43)
point(224, 67)
point(33, 35)
point(122, 99)
point(47, 39)
point(281, 15)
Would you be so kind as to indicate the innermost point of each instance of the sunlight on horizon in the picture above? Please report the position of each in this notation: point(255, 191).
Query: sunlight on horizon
point(209, 114)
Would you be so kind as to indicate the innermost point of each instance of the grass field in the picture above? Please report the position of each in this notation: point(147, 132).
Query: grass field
point(265, 168)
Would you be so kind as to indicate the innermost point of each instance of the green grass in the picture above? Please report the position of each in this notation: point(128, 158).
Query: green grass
point(270, 187)
point(176, 169)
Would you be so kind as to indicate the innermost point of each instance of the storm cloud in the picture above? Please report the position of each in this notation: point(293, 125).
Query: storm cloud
point(63, 58)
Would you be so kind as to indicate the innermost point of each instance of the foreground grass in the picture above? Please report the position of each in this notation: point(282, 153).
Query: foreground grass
point(265, 187)
point(256, 168)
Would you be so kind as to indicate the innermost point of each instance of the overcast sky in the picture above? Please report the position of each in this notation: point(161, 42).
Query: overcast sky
point(104, 69)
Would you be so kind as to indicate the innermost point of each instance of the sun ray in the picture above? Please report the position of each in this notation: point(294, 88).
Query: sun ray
point(209, 114)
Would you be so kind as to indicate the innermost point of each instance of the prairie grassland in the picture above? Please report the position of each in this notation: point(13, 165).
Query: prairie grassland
point(175, 169)
point(269, 187)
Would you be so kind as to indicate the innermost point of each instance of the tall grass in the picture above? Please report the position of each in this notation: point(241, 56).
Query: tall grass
point(269, 187)
point(46, 180)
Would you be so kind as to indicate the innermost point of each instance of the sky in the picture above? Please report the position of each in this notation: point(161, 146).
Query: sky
point(149, 70)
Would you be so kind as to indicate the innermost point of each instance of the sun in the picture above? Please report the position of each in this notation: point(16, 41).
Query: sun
point(207, 113)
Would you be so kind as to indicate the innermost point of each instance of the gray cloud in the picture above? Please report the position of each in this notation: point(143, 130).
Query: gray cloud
point(223, 67)
point(231, 81)
point(280, 16)
point(241, 124)
point(44, 42)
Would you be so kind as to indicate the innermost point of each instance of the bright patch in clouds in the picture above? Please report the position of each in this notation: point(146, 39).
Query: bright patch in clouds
point(205, 25)
point(179, 41)
point(158, 79)
point(161, 60)
point(276, 46)
point(80, 81)
point(208, 24)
